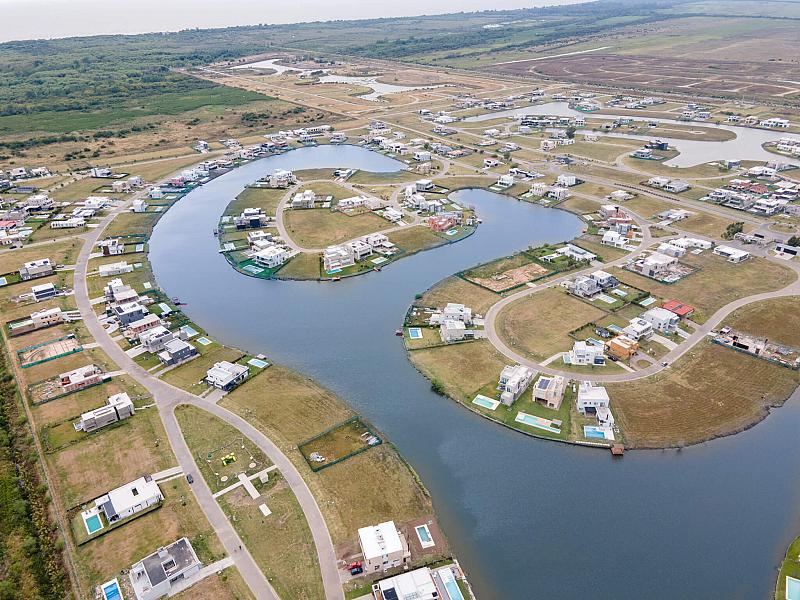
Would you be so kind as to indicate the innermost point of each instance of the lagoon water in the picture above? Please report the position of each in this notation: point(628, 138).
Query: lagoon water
point(746, 145)
point(527, 518)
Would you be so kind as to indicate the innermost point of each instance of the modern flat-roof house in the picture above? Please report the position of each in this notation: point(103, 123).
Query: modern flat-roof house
point(583, 286)
point(731, 254)
point(550, 390)
point(604, 279)
point(153, 340)
point(176, 351)
point(226, 375)
point(514, 380)
point(671, 249)
point(584, 353)
point(655, 265)
point(622, 347)
point(662, 320)
point(383, 547)
point(271, 257)
point(117, 268)
point(638, 329)
point(417, 585)
point(70, 223)
point(117, 407)
point(591, 398)
point(251, 218)
point(129, 499)
point(336, 258)
point(154, 575)
point(457, 312)
point(111, 247)
point(44, 291)
point(37, 320)
point(615, 239)
point(148, 321)
point(452, 330)
point(129, 312)
point(80, 378)
point(36, 268)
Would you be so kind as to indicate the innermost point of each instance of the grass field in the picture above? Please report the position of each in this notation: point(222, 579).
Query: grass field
point(716, 283)
point(228, 585)
point(266, 199)
point(461, 369)
point(415, 239)
point(371, 487)
point(538, 325)
point(455, 289)
point(320, 227)
point(146, 450)
point(777, 319)
point(63, 252)
point(711, 391)
point(281, 543)
point(210, 439)
point(306, 265)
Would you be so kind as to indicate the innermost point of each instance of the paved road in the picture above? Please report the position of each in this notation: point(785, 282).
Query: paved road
point(167, 398)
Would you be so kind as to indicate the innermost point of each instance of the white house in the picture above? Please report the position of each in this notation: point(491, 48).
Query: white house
point(591, 398)
point(550, 390)
point(129, 499)
point(662, 320)
point(671, 249)
point(731, 254)
point(153, 340)
point(615, 239)
point(271, 257)
point(514, 380)
point(452, 331)
point(583, 286)
point(226, 375)
point(156, 574)
point(117, 407)
point(566, 180)
point(117, 268)
point(457, 312)
point(584, 353)
point(638, 329)
point(304, 199)
point(422, 156)
point(336, 258)
point(383, 547)
point(417, 584)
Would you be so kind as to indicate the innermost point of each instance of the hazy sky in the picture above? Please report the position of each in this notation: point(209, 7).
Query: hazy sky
point(28, 19)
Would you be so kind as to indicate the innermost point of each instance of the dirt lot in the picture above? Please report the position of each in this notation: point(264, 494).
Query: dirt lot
point(48, 351)
point(455, 289)
point(667, 74)
point(504, 280)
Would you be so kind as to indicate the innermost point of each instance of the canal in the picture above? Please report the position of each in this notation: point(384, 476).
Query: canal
point(527, 518)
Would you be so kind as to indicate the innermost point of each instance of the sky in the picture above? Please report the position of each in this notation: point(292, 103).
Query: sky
point(34, 19)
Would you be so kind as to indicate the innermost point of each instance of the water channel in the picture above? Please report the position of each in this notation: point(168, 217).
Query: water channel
point(528, 518)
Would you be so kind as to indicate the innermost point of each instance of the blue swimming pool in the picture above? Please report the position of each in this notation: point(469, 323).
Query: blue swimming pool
point(189, 330)
point(93, 524)
point(415, 333)
point(423, 533)
point(257, 363)
point(591, 431)
point(450, 584)
point(485, 402)
point(111, 590)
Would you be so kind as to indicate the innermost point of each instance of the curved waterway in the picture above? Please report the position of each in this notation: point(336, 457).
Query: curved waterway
point(746, 146)
point(528, 518)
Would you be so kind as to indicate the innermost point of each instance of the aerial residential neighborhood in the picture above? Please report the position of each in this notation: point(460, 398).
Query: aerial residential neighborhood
point(356, 304)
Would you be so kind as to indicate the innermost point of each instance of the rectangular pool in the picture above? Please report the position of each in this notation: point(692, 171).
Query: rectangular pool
point(424, 535)
point(257, 363)
point(203, 340)
point(590, 431)
point(189, 331)
point(486, 402)
point(415, 333)
point(538, 422)
point(111, 590)
point(450, 584)
point(93, 523)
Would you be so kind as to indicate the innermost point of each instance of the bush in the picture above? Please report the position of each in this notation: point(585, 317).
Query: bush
point(437, 387)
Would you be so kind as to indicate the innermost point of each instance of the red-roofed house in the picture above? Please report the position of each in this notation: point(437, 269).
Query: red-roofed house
point(7, 225)
point(684, 311)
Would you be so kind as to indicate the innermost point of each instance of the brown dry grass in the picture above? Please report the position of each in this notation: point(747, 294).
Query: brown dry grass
point(227, 586)
point(369, 488)
point(63, 252)
point(712, 391)
point(319, 227)
point(538, 325)
point(455, 289)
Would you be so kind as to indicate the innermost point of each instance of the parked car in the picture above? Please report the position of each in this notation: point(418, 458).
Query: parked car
point(189, 478)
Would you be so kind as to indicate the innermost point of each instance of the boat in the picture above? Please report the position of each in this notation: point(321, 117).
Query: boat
point(398, 332)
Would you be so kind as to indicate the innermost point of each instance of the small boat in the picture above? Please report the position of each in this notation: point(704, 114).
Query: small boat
point(398, 332)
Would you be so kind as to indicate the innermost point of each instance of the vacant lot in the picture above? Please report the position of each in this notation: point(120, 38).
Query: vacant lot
point(711, 391)
point(266, 199)
point(716, 283)
point(415, 239)
point(777, 319)
point(64, 252)
point(455, 289)
point(306, 265)
point(146, 450)
point(538, 325)
point(506, 273)
point(290, 408)
point(461, 369)
point(228, 585)
point(320, 227)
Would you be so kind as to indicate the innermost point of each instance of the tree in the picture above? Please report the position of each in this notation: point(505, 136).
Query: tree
point(732, 229)
point(794, 240)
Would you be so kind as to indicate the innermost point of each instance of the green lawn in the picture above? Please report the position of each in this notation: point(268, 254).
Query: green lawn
point(320, 227)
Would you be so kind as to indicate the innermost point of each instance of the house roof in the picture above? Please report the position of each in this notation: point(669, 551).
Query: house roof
point(381, 539)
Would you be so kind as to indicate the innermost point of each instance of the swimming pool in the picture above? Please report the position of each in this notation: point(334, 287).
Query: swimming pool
point(189, 330)
point(257, 363)
point(647, 301)
point(486, 402)
point(537, 422)
point(203, 340)
point(93, 523)
point(590, 431)
point(415, 333)
point(424, 535)
point(111, 590)
point(451, 232)
point(450, 584)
